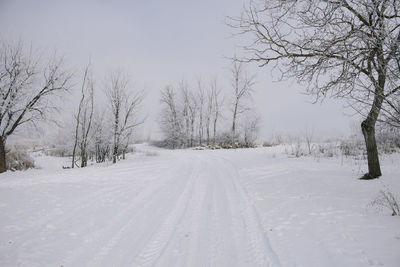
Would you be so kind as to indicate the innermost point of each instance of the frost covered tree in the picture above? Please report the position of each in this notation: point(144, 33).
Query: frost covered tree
point(189, 112)
point(188, 117)
point(250, 129)
point(171, 118)
point(217, 103)
point(193, 110)
point(201, 96)
point(27, 84)
point(86, 123)
point(83, 120)
point(209, 113)
point(124, 105)
point(242, 87)
point(101, 137)
point(342, 48)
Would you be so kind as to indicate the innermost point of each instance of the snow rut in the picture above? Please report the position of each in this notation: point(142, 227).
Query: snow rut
point(212, 224)
point(159, 241)
point(119, 225)
point(260, 252)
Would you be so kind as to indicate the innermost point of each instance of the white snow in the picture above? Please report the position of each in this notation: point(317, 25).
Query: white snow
point(245, 207)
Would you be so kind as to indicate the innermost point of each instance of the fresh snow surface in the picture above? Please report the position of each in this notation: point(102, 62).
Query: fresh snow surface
point(245, 207)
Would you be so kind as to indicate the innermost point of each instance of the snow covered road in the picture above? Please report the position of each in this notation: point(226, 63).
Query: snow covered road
point(184, 211)
point(176, 208)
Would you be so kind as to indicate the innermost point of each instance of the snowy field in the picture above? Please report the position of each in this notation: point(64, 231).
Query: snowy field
point(253, 207)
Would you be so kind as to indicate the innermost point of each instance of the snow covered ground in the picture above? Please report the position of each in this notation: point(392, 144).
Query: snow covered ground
point(253, 207)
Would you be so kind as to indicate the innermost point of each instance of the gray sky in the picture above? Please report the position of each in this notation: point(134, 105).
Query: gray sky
point(159, 43)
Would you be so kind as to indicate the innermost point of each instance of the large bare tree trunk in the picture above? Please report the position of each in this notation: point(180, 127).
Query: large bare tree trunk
point(115, 148)
point(368, 130)
point(234, 122)
point(215, 130)
point(374, 169)
point(3, 165)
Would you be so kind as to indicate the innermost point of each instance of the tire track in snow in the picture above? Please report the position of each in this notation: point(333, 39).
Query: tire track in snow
point(236, 222)
point(215, 250)
point(57, 216)
point(195, 215)
point(260, 250)
point(160, 240)
point(121, 222)
point(190, 243)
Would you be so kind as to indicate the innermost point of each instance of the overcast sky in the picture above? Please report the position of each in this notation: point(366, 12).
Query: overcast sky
point(159, 43)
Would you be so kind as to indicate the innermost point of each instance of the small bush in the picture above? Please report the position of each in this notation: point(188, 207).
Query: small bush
point(327, 150)
point(385, 199)
point(151, 154)
point(19, 160)
point(296, 149)
point(268, 144)
point(352, 147)
point(388, 139)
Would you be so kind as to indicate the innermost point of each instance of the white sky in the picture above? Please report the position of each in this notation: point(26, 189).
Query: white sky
point(159, 43)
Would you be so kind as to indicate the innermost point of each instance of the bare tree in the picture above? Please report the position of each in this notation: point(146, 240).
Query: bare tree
point(124, 106)
point(192, 116)
point(217, 103)
point(171, 123)
point(308, 136)
point(27, 83)
point(251, 127)
point(80, 108)
point(242, 84)
point(348, 48)
point(209, 112)
point(182, 115)
point(86, 124)
point(213, 110)
point(201, 96)
point(185, 111)
point(101, 137)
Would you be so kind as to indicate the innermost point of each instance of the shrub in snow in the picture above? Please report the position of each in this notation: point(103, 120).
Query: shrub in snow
point(19, 160)
point(296, 148)
point(151, 154)
point(388, 140)
point(268, 144)
point(225, 139)
point(386, 200)
point(327, 150)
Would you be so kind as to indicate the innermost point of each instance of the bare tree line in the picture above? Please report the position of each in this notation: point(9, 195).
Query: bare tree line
point(191, 115)
point(29, 84)
point(106, 134)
